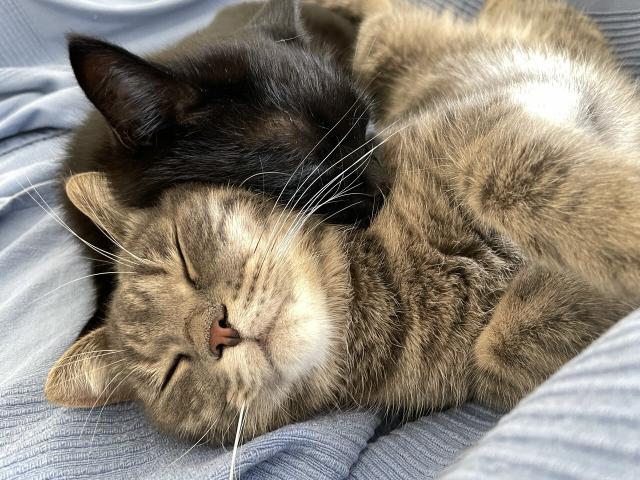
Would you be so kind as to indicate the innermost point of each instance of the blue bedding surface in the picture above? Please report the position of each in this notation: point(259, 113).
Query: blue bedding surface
point(583, 423)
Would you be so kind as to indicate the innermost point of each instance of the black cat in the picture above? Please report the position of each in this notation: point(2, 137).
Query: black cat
point(260, 104)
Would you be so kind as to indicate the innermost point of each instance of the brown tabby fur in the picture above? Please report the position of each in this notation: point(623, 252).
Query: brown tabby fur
point(508, 243)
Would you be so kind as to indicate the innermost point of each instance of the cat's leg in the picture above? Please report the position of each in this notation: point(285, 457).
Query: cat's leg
point(552, 22)
point(542, 321)
point(568, 201)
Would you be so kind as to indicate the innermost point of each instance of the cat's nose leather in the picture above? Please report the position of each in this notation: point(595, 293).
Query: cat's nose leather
point(222, 337)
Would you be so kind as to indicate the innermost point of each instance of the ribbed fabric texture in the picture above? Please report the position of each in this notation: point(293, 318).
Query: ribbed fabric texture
point(583, 423)
point(421, 449)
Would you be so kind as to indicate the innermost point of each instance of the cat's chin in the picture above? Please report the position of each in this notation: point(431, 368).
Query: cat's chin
point(250, 370)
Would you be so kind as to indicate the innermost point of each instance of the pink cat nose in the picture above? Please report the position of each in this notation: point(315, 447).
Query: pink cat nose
point(220, 337)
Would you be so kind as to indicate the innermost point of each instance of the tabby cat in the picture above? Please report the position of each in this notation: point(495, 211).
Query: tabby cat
point(255, 99)
point(508, 242)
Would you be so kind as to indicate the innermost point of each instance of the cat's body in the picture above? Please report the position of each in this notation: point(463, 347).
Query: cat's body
point(508, 242)
point(256, 99)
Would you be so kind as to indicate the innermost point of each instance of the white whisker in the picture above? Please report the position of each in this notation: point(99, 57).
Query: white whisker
point(97, 400)
point(73, 281)
point(61, 222)
point(319, 165)
point(113, 240)
point(106, 402)
point(195, 444)
point(263, 175)
point(237, 440)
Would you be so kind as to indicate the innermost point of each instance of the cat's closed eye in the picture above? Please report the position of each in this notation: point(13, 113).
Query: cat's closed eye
point(187, 267)
point(177, 360)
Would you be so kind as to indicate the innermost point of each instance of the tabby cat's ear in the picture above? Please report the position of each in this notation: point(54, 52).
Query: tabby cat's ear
point(281, 18)
point(91, 193)
point(136, 97)
point(87, 375)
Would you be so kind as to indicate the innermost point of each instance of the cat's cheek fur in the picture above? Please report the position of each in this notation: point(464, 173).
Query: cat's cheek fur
point(309, 332)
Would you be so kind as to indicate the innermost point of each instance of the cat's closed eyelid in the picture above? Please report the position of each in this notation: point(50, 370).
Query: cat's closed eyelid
point(177, 360)
point(188, 269)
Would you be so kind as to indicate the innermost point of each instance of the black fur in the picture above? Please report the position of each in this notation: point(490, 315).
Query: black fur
point(225, 112)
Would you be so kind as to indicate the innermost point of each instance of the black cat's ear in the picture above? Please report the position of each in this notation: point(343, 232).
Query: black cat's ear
point(281, 18)
point(136, 97)
point(91, 193)
point(87, 375)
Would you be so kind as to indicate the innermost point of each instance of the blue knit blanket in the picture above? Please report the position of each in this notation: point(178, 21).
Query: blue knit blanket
point(583, 423)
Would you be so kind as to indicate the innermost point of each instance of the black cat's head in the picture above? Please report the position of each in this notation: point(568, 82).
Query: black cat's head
point(261, 108)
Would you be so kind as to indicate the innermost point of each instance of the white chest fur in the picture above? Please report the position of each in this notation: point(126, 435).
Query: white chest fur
point(554, 102)
point(552, 89)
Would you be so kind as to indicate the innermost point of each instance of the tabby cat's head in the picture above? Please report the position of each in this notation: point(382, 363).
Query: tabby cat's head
point(223, 299)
